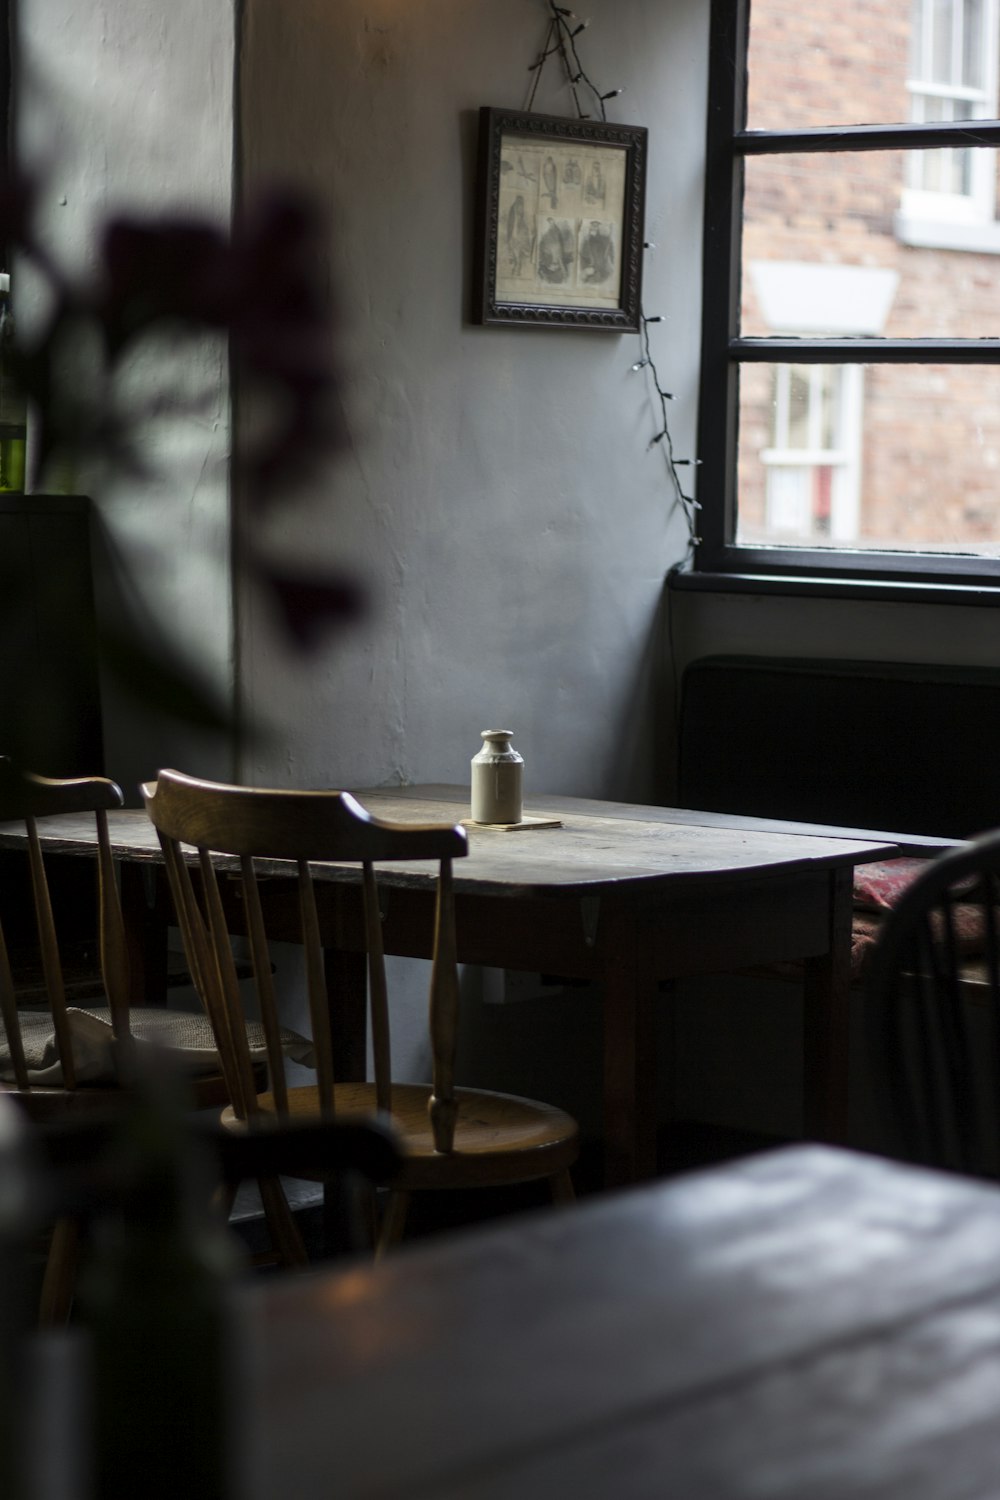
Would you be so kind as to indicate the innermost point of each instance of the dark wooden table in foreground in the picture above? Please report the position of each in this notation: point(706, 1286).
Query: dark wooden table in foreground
point(625, 895)
point(806, 1325)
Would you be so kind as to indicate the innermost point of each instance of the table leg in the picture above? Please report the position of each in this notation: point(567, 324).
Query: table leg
point(827, 1023)
point(347, 987)
point(629, 1054)
point(147, 913)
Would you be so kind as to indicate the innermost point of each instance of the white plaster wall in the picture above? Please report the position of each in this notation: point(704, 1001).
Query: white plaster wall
point(498, 493)
point(126, 106)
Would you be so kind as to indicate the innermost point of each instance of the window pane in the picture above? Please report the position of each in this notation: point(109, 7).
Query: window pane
point(830, 393)
point(821, 62)
point(797, 435)
point(919, 41)
point(973, 50)
point(942, 22)
point(822, 252)
point(910, 460)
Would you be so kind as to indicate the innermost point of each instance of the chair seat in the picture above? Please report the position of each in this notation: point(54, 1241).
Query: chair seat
point(499, 1138)
point(182, 1035)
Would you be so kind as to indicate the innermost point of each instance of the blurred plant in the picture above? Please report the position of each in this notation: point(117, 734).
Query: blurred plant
point(156, 284)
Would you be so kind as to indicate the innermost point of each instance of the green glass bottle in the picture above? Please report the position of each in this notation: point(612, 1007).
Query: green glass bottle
point(13, 407)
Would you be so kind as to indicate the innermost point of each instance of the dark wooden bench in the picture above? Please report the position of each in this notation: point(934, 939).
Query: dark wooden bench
point(859, 744)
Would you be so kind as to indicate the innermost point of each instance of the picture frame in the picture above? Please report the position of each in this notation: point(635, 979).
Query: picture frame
point(560, 222)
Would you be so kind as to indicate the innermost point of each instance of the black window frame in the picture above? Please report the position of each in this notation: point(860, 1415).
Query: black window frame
point(724, 350)
point(6, 79)
point(8, 32)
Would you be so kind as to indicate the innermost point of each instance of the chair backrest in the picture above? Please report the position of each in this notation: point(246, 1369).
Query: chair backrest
point(250, 824)
point(27, 799)
point(935, 1041)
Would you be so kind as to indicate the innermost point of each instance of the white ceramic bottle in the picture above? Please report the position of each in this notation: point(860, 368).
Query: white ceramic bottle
point(497, 777)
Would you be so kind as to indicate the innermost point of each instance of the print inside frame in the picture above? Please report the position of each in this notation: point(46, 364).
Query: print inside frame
point(560, 222)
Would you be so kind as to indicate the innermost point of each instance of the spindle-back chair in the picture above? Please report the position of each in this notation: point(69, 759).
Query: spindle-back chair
point(932, 1004)
point(58, 1059)
point(450, 1137)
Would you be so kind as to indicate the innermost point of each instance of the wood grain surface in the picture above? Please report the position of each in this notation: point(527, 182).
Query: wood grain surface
point(599, 845)
point(807, 1324)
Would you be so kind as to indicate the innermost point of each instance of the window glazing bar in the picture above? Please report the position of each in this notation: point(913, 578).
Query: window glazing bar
point(865, 351)
point(868, 137)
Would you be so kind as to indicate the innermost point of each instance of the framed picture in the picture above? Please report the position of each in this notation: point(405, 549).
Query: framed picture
point(560, 224)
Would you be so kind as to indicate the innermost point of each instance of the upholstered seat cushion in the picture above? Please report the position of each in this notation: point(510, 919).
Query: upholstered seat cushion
point(877, 889)
point(187, 1036)
point(879, 885)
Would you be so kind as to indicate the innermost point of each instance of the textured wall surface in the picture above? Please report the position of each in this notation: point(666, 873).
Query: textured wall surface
point(498, 493)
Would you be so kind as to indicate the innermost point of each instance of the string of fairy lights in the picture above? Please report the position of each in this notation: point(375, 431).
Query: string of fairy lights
point(561, 41)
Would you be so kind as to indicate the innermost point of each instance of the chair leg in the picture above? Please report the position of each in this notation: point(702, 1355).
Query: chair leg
point(561, 1188)
point(393, 1222)
point(224, 1200)
point(60, 1274)
point(281, 1222)
point(369, 1212)
point(349, 1226)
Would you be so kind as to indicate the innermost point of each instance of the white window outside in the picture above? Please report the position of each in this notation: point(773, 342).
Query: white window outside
point(949, 199)
point(814, 463)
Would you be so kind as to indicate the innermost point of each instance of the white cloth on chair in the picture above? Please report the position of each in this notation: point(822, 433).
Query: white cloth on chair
point(185, 1035)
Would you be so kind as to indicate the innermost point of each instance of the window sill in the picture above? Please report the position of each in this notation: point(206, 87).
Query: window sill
point(802, 586)
point(944, 234)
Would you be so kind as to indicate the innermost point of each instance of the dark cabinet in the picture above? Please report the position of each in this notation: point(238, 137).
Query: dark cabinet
point(50, 712)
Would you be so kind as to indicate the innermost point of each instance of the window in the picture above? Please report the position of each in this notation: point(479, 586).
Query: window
point(952, 77)
point(811, 466)
point(849, 421)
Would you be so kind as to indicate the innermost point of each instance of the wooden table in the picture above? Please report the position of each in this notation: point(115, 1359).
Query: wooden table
point(806, 1325)
point(624, 895)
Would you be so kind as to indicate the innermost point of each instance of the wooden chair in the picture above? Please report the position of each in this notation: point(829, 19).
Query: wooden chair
point(450, 1137)
point(932, 1006)
point(38, 1052)
point(57, 1060)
